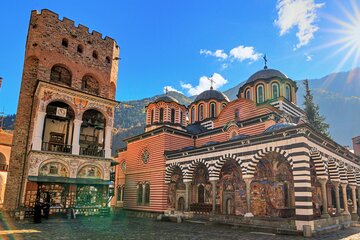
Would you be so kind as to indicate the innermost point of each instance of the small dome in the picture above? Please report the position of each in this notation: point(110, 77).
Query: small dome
point(166, 98)
point(279, 126)
point(266, 74)
point(210, 95)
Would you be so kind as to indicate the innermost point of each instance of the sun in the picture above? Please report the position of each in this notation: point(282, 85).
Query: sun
point(346, 33)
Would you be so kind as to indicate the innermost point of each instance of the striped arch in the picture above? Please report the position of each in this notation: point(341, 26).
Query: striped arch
point(333, 170)
point(170, 169)
point(191, 168)
point(351, 175)
point(215, 174)
point(320, 164)
point(251, 168)
point(342, 172)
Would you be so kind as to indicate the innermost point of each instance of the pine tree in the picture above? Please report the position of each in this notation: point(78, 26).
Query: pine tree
point(312, 112)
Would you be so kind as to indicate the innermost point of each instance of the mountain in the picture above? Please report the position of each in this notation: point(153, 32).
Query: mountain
point(337, 94)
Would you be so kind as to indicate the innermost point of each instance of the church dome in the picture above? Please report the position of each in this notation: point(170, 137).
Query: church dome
point(211, 95)
point(166, 98)
point(265, 74)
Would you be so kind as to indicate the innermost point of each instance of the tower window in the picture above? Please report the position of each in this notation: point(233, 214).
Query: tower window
point(201, 112)
point(275, 90)
point(260, 94)
point(212, 110)
point(80, 49)
point(152, 117)
point(65, 42)
point(161, 115)
point(172, 115)
point(288, 92)
point(181, 117)
point(107, 59)
point(247, 94)
point(192, 114)
point(95, 55)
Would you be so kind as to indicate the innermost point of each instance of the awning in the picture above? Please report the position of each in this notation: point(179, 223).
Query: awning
point(51, 179)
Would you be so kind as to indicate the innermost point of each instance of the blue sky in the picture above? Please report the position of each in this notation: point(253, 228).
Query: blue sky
point(175, 43)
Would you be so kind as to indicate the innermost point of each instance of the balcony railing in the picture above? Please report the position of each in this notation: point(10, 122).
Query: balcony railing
point(56, 147)
point(89, 151)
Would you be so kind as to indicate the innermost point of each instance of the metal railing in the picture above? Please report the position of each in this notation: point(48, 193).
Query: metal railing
point(89, 151)
point(56, 147)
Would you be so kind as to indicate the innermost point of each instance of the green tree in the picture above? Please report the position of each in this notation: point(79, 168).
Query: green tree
point(312, 112)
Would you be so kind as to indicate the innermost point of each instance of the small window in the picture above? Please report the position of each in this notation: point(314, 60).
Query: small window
point(95, 55)
point(260, 94)
point(172, 116)
point(201, 112)
point(248, 94)
point(147, 193)
point(123, 193)
point(161, 115)
point(65, 42)
point(212, 110)
point(288, 92)
point(119, 193)
point(140, 194)
point(152, 117)
point(192, 114)
point(275, 90)
point(181, 117)
point(107, 60)
point(237, 114)
point(223, 105)
point(80, 49)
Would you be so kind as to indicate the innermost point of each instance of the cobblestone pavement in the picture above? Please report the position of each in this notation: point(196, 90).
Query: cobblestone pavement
point(94, 228)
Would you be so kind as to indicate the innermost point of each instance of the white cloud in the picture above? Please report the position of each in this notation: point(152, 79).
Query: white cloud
point(219, 54)
point(242, 53)
point(308, 57)
point(298, 13)
point(171, 89)
point(204, 84)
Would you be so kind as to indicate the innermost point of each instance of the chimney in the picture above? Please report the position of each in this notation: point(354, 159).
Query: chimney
point(356, 145)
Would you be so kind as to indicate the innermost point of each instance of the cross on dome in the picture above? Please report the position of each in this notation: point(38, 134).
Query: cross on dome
point(212, 81)
point(265, 60)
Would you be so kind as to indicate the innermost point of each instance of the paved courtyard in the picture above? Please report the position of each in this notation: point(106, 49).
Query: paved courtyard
point(120, 227)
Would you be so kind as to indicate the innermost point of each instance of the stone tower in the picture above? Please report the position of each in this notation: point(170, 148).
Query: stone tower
point(65, 111)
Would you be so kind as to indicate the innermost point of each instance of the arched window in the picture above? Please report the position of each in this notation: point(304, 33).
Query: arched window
point(172, 116)
point(90, 84)
point(147, 193)
point(181, 117)
point(288, 92)
point(80, 49)
point(260, 94)
point(248, 94)
point(192, 114)
point(65, 42)
point(123, 193)
point(161, 115)
point(201, 194)
point(201, 112)
point(61, 75)
point(140, 194)
point(212, 110)
point(275, 90)
point(107, 60)
point(223, 106)
point(152, 117)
